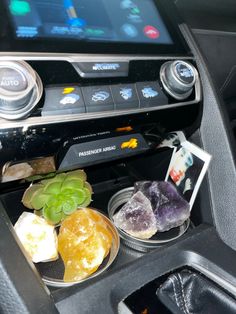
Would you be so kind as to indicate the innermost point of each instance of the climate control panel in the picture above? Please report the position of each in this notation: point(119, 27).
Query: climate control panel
point(69, 95)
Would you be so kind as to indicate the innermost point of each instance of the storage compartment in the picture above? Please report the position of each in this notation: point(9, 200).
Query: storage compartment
point(108, 179)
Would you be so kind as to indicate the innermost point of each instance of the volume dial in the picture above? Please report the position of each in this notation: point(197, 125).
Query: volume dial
point(178, 78)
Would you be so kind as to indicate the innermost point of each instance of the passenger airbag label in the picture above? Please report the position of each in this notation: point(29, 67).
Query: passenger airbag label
point(83, 154)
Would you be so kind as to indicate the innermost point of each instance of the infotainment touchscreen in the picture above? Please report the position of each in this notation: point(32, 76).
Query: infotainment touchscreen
point(135, 21)
point(143, 27)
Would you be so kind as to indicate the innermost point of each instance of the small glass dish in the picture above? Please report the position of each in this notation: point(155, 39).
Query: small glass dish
point(52, 272)
point(160, 238)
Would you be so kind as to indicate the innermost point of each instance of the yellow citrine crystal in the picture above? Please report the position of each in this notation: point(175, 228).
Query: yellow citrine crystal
point(83, 242)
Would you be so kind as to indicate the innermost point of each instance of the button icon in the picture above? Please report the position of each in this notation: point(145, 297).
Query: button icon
point(132, 143)
point(135, 10)
point(76, 22)
point(127, 4)
point(20, 8)
point(129, 30)
point(184, 71)
point(151, 32)
point(134, 18)
point(126, 93)
point(125, 96)
point(70, 99)
point(68, 90)
point(100, 96)
point(149, 92)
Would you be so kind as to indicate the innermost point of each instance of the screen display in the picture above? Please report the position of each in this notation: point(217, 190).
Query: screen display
point(135, 21)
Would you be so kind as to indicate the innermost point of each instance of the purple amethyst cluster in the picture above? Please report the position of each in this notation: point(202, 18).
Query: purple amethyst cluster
point(154, 207)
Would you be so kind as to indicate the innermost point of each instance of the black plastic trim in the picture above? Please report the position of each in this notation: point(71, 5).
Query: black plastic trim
point(22, 290)
point(200, 250)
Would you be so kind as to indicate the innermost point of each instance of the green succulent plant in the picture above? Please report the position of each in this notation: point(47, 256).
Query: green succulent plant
point(60, 196)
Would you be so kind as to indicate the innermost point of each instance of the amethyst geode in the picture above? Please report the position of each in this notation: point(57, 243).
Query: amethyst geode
point(170, 208)
point(136, 217)
point(154, 206)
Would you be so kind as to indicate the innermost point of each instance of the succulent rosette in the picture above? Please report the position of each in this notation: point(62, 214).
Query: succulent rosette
point(58, 197)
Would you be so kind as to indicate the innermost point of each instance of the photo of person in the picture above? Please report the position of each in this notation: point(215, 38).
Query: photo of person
point(183, 159)
point(187, 169)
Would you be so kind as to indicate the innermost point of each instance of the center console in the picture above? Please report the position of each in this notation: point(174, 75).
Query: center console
point(82, 76)
point(77, 80)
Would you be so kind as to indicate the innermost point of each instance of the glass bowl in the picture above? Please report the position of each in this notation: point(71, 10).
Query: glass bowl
point(52, 272)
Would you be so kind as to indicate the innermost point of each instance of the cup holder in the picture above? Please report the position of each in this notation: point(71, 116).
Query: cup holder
point(160, 238)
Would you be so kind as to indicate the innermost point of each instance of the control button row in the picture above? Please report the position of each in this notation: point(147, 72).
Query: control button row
point(74, 100)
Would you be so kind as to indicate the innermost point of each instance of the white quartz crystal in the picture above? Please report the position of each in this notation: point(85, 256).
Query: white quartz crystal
point(38, 237)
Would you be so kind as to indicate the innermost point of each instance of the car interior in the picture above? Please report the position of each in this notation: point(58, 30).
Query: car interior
point(89, 92)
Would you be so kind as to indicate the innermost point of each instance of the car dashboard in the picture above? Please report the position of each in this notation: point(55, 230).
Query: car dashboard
point(83, 87)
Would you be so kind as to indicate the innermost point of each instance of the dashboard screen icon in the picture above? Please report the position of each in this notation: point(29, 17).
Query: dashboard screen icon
point(151, 32)
point(129, 30)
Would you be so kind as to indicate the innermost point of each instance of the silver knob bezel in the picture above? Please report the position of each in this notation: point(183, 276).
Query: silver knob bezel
point(34, 90)
point(26, 71)
point(170, 66)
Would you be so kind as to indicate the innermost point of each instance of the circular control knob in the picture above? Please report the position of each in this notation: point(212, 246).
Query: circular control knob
point(178, 78)
point(20, 89)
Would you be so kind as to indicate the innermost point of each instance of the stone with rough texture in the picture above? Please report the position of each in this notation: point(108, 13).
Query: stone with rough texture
point(136, 217)
point(170, 208)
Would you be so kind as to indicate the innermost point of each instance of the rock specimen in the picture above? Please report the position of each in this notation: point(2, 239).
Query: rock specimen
point(154, 207)
point(170, 208)
point(137, 218)
point(38, 237)
point(84, 241)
